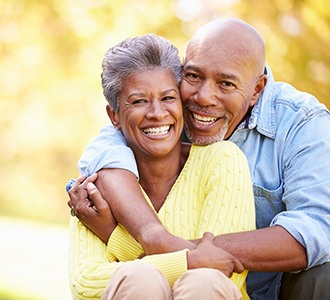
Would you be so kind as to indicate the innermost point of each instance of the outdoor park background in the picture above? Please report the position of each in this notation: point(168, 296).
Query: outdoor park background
point(52, 104)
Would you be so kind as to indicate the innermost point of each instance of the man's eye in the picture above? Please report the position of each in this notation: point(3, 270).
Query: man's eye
point(192, 77)
point(227, 85)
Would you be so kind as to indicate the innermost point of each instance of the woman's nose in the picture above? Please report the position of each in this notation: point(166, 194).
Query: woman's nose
point(157, 110)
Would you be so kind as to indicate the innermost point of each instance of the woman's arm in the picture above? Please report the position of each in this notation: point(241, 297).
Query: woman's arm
point(91, 267)
point(120, 189)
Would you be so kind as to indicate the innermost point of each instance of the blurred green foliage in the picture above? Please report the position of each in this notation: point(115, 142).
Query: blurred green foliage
point(50, 63)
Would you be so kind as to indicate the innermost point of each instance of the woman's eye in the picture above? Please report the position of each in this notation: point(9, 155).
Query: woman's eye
point(166, 98)
point(139, 101)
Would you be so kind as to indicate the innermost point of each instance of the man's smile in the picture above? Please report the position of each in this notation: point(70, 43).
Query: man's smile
point(204, 120)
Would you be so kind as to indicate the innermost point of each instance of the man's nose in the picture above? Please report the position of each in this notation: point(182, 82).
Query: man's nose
point(206, 95)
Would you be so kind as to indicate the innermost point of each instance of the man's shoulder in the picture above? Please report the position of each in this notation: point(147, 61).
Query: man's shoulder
point(281, 104)
point(294, 100)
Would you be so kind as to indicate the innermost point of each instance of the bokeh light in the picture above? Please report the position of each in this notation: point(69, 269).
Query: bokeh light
point(52, 104)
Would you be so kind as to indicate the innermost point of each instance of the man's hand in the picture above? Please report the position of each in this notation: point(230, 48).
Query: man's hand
point(90, 207)
point(207, 255)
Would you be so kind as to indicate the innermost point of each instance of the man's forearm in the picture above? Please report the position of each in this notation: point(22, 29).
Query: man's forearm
point(271, 249)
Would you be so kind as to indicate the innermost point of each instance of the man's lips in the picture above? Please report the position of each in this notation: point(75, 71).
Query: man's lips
point(203, 120)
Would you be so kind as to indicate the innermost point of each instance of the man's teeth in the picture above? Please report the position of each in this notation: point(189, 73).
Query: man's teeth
point(157, 130)
point(204, 120)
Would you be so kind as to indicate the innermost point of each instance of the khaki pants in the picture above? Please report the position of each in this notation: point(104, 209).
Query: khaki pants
point(138, 280)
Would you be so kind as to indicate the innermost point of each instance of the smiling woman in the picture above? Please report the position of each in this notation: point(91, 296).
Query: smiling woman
point(150, 113)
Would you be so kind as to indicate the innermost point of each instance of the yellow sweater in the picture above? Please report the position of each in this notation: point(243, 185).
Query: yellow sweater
point(212, 193)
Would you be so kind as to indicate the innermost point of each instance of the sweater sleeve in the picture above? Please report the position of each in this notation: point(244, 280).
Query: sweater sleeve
point(120, 236)
point(90, 269)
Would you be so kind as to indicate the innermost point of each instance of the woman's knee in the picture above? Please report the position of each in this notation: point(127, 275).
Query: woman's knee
point(205, 283)
point(137, 280)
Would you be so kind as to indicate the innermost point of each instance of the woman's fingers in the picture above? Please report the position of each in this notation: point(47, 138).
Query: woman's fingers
point(208, 236)
point(78, 192)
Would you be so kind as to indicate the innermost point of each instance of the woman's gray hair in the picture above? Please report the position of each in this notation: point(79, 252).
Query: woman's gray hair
point(144, 52)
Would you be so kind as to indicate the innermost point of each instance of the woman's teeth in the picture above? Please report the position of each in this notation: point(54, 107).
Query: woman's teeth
point(157, 130)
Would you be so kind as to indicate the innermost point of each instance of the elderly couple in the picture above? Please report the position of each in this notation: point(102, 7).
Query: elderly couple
point(241, 213)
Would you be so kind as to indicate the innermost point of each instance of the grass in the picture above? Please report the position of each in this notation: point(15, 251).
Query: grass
point(33, 261)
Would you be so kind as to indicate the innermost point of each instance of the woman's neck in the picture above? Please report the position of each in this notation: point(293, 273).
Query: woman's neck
point(158, 174)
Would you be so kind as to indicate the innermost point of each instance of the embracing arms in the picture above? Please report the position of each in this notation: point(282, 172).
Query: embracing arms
point(270, 249)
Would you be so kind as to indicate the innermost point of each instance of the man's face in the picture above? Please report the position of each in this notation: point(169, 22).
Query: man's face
point(217, 90)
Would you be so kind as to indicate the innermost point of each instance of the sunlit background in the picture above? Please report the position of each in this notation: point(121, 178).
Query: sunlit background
point(52, 104)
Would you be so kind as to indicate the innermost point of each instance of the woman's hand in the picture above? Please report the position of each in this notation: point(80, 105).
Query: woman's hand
point(91, 208)
point(207, 255)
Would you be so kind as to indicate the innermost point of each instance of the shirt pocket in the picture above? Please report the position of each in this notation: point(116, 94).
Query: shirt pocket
point(268, 204)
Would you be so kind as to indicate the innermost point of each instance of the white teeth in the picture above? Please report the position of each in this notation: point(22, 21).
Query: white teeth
point(157, 130)
point(204, 120)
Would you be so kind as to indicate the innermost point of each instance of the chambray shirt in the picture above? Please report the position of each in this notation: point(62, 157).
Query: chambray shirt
point(287, 142)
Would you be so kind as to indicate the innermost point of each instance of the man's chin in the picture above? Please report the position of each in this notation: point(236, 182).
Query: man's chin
point(201, 140)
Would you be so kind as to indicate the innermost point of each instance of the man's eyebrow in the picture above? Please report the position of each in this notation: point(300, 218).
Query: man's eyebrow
point(228, 76)
point(219, 75)
point(190, 67)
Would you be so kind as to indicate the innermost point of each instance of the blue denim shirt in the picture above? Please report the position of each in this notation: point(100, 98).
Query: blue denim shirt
point(287, 142)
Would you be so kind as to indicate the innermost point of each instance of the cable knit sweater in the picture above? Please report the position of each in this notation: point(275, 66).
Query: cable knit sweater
point(212, 193)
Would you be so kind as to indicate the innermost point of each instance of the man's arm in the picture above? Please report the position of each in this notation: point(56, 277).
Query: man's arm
point(107, 150)
point(270, 249)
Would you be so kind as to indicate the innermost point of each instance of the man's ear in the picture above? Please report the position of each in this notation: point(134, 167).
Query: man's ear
point(114, 116)
point(260, 85)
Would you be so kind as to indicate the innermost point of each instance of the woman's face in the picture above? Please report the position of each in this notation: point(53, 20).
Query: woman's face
point(150, 112)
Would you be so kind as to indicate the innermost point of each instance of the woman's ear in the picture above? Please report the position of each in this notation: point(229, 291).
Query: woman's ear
point(114, 116)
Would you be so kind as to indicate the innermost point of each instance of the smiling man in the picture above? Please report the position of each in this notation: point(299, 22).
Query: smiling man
point(229, 93)
point(220, 91)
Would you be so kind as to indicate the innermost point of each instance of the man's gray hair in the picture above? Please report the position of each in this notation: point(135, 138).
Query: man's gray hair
point(144, 52)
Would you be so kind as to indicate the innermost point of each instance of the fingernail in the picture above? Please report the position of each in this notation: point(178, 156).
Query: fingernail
point(91, 185)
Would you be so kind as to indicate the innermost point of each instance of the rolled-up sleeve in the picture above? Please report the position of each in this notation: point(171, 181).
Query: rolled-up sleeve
point(307, 188)
point(108, 150)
